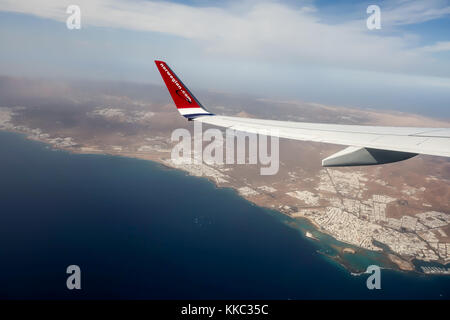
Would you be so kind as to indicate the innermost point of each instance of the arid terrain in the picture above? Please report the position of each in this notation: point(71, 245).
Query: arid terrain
point(403, 206)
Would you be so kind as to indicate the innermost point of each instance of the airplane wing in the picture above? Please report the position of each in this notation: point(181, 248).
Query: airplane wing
point(368, 145)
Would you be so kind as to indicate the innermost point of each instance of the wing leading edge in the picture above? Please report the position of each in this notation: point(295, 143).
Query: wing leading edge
point(369, 145)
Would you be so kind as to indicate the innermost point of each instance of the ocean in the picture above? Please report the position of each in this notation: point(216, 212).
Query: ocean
point(139, 230)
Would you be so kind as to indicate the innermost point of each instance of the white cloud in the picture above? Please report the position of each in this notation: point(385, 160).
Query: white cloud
point(415, 11)
point(438, 47)
point(267, 31)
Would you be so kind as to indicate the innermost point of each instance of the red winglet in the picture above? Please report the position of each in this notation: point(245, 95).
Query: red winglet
point(181, 95)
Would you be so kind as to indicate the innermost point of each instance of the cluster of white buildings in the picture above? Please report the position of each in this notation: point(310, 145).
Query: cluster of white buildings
point(199, 170)
point(360, 222)
point(122, 115)
point(435, 270)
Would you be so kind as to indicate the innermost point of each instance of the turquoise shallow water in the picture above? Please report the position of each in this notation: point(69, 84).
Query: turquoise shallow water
point(139, 230)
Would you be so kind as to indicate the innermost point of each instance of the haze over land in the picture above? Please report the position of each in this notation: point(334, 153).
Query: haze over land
point(403, 206)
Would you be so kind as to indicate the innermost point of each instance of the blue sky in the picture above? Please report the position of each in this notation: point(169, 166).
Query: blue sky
point(317, 51)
